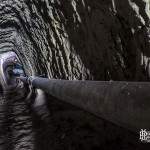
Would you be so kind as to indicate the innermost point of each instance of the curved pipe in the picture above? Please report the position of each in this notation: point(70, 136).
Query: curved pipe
point(124, 103)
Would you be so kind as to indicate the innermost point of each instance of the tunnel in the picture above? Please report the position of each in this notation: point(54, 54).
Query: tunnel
point(104, 41)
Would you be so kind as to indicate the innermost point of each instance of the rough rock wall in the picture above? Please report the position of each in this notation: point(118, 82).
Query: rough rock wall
point(74, 39)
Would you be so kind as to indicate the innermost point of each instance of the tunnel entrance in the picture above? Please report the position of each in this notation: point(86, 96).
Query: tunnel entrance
point(10, 68)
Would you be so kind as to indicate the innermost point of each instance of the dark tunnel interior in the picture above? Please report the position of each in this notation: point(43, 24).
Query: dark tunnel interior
point(99, 40)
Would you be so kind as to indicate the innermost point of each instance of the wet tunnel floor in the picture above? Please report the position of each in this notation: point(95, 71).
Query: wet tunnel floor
point(69, 128)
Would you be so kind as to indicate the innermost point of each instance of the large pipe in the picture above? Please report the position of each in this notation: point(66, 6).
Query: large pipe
point(126, 104)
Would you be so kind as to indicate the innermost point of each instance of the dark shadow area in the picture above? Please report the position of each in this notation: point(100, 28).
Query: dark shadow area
point(70, 128)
